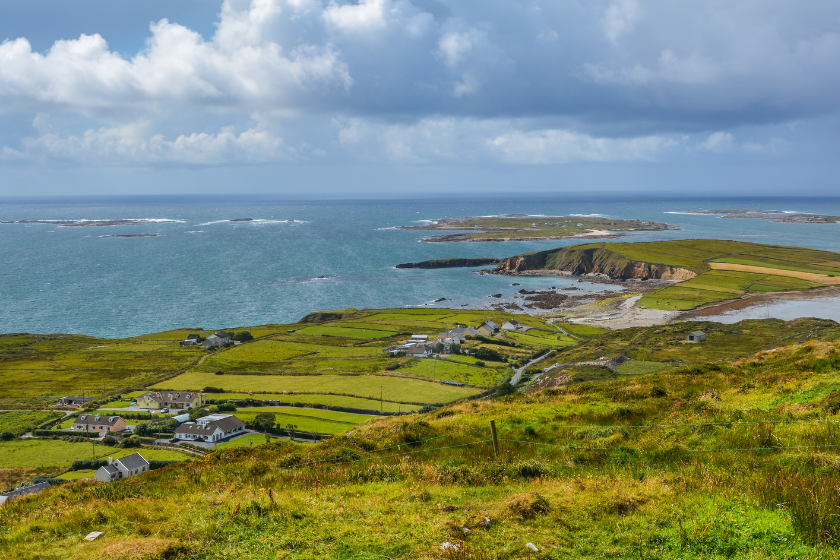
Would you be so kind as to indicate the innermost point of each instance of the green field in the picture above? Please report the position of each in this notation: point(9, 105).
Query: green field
point(366, 386)
point(329, 415)
point(303, 423)
point(634, 367)
point(445, 369)
point(329, 400)
point(20, 422)
point(346, 332)
point(245, 441)
point(52, 454)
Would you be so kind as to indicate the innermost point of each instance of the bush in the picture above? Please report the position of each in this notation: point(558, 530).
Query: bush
point(91, 464)
point(59, 433)
point(479, 363)
point(489, 354)
point(243, 336)
point(155, 464)
point(7, 436)
point(110, 441)
point(130, 442)
point(213, 390)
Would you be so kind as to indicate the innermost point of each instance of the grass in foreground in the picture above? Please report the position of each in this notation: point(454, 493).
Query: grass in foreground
point(601, 487)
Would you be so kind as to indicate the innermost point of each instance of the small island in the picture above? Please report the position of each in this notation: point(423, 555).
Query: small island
point(522, 227)
point(772, 215)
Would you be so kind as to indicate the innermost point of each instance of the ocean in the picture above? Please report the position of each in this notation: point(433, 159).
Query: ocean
point(194, 267)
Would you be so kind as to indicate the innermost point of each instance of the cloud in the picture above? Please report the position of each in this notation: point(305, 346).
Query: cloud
point(134, 145)
point(620, 18)
point(718, 142)
point(491, 141)
point(623, 77)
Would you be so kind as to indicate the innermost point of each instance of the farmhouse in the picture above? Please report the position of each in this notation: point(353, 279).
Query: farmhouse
point(170, 399)
point(217, 339)
point(126, 467)
point(34, 489)
point(696, 336)
point(74, 401)
point(419, 351)
point(210, 428)
point(98, 423)
point(488, 329)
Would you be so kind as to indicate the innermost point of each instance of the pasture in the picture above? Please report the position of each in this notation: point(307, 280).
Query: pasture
point(398, 389)
point(49, 454)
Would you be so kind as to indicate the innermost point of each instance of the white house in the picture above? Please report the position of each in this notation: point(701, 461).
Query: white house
point(126, 467)
point(217, 339)
point(214, 427)
point(511, 326)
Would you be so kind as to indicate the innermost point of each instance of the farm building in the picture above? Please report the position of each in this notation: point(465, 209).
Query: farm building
point(126, 467)
point(696, 336)
point(74, 401)
point(170, 399)
point(34, 489)
point(214, 427)
point(98, 423)
point(189, 342)
point(217, 339)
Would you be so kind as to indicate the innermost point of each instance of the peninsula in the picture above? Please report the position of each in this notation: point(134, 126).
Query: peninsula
point(772, 215)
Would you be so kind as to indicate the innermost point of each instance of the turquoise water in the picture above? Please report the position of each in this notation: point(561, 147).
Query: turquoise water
point(202, 270)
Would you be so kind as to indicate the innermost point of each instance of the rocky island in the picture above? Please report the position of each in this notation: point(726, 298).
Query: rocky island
point(772, 215)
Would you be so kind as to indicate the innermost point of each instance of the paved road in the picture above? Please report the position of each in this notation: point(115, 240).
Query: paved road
point(515, 379)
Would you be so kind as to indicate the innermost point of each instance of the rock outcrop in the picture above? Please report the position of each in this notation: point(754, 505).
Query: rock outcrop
point(592, 260)
point(450, 263)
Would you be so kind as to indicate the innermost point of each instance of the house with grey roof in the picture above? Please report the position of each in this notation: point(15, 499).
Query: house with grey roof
point(34, 489)
point(212, 428)
point(696, 336)
point(126, 467)
point(217, 339)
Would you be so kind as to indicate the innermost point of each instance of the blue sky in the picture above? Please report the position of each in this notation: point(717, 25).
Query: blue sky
point(416, 97)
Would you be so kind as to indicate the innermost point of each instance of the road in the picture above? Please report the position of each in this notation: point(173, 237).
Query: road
point(515, 379)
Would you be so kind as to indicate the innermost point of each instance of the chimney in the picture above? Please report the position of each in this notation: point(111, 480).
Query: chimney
point(110, 460)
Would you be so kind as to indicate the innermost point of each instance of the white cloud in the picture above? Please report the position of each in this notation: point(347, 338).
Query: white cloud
point(492, 141)
point(718, 142)
point(134, 145)
point(620, 18)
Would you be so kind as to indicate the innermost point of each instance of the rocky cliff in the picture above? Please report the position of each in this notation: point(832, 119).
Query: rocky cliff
point(592, 260)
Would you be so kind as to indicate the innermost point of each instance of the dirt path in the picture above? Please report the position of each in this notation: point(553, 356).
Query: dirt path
point(810, 276)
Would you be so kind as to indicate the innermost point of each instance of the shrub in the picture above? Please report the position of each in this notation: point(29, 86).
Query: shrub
point(213, 389)
point(130, 442)
point(243, 336)
point(7, 436)
point(91, 464)
point(110, 441)
point(528, 506)
point(156, 464)
point(489, 354)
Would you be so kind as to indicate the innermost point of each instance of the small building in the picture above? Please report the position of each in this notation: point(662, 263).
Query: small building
point(189, 342)
point(98, 423)
point(419, 338)
point(171, 399)
point(217, 339)
point(214, 427)
point(34, 489)
point(511, 326)
point(74, 401)
point(420, 351)
point(129, 466)
point(696, 336)
point(488, 329)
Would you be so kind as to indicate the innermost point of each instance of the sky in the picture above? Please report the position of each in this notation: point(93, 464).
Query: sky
point(400, 98)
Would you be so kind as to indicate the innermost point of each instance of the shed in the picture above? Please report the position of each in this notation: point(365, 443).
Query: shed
point(696, 336)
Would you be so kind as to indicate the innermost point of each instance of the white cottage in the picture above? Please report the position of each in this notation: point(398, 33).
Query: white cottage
point(126, 467)
point(214, 427)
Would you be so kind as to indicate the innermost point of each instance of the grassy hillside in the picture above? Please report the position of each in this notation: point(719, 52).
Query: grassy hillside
point(37, 369)
point(731, 457)
point(724, 269)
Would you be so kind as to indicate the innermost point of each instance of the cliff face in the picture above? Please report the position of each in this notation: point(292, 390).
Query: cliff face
point(594, 260)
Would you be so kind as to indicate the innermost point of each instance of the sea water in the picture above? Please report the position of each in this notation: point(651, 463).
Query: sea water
point(195, 267)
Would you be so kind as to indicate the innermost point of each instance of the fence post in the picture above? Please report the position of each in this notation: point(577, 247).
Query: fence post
point(495, 438)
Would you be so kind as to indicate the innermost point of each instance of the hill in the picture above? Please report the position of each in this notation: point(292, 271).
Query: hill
point(734, 457)
point(706, 270)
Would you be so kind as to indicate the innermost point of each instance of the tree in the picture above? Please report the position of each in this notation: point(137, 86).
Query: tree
point(291, 428)
point(439, 348)
point(454, 348)
point(264, 421)
point(243, 336)
point(197, 413)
